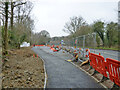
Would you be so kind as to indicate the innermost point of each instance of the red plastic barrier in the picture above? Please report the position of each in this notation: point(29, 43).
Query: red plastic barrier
point(39, 45)
point(113, 68)
point(35, 55)
point(54, 50)
point(98, 63)
point(48, 46)
point(87, 53)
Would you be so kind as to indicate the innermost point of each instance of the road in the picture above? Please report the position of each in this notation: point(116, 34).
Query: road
point(62, 74)
point(107, 53)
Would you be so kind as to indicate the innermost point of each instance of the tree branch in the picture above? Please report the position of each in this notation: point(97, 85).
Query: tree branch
point(2, 13)
point(19, 4)
point(2, 7)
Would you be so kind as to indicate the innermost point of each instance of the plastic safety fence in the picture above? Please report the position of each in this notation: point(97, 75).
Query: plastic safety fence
point(87, 53)
point(98, 63)
point(39, 45)
point(113, 68)
point(48, 45)
point(80, 54)
point(55, 48)
point(110, 66)
point(83, 54)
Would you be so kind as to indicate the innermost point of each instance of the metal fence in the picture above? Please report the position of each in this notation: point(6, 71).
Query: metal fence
point(84, 42)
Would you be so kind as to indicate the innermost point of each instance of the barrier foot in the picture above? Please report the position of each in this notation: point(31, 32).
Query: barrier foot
point(94, 73)
point(89, 68)
point(103, 79)
point(115, 87)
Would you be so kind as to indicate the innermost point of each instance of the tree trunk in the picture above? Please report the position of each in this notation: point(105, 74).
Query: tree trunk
point(103, 43)
point(102, 37)
point(3, 56)
point(19, 46)
point(6, 25)
point(12, 8)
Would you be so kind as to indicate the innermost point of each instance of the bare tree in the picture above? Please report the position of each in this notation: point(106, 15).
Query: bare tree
point(23, 12)
point(8, 10)
point(4, 6)
point(74, 24)
point(13, 5)
point(6, 26)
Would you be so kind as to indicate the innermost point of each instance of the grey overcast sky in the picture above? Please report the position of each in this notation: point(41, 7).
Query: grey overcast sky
point(51, 15)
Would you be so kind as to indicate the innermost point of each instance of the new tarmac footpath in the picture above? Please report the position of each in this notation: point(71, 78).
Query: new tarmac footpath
point(62, 74)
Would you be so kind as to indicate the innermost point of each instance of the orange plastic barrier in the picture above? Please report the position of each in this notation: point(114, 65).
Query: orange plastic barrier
point(39, 45)
point(54, 50)
point(98, 63)
point(87, 53)
point(48, 46)
point(113, 68)
point(35, 55)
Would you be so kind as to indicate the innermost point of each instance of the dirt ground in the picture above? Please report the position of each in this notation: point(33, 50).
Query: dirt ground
point(0, 67)
point(23, 70)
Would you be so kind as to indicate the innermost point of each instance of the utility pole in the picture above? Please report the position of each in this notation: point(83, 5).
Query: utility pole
point(83, 44)
point(0, 21)
point(76, 41)
point(94, 41)
point(119, 27)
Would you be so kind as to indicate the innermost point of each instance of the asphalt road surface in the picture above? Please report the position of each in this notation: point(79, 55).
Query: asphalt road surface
point(62, 74)
point(107, 53)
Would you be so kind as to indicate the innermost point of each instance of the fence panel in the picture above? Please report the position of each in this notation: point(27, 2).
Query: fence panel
point(113, 68)
point(98, 63)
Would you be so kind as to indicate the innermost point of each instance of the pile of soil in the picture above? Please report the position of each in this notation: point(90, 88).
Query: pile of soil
point(23, 70)
point(0, 68)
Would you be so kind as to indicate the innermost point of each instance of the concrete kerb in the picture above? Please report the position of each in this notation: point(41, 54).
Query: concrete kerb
point(89, 75)
point(45, 82)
